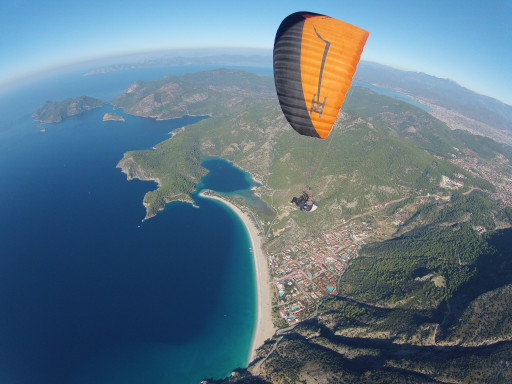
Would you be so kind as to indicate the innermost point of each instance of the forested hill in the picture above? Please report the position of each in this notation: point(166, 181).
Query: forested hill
point(203, 93)
point(432, 306)
point(412, 123)
point(443, 92)
point(380, 150)
point(56, 111)
point(427, 300)
point(459, 107)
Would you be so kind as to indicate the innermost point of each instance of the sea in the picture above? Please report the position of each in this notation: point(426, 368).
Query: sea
point(90, 293)
point(393, 94)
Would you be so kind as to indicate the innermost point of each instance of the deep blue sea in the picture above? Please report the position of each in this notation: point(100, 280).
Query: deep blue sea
point(88, 292)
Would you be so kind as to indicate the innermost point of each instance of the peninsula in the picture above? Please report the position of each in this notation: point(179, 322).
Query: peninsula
point(56, 111)
point(391, 271)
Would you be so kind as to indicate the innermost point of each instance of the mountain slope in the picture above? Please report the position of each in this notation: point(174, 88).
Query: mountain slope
point(459, 107)
point(380, 150)
point(444, 92)
point(56, 111)
point(389, 325)
point(413, 308)
point(206, 93)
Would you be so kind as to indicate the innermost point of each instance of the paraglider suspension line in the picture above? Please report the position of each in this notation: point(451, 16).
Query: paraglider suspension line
point(315, 170)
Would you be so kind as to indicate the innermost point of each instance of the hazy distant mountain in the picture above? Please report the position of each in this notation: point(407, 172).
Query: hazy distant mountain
point(180, 60)
point(201, 93)
point(457, 106)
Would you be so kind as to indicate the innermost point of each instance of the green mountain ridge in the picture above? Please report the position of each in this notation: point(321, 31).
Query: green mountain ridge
point(56, 111)
point(369, 159)
point(443, 92)
point(383, 329)
point(207, 93)
point(414, 306)
point(427, 300)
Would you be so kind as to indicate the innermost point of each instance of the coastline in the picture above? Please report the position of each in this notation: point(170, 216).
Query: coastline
point(264, 326)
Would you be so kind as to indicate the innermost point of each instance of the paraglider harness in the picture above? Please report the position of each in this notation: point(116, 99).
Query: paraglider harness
point(305, 202)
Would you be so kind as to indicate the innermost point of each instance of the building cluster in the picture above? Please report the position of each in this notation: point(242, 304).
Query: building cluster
point(492, 172)
point(480, 229)
point(448, 183)
point(310, 270)
point(307, 271)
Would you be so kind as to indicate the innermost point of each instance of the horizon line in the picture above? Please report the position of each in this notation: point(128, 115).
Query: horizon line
point(19, 80)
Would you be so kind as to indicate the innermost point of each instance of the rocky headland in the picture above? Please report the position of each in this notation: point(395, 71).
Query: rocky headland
point(113, 117)
point(56, 111)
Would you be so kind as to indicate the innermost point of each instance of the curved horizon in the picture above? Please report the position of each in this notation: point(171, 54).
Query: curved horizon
point(141, 58)
point(464, 41)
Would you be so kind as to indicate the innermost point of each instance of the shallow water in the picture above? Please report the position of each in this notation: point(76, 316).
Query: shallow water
point(89, 292)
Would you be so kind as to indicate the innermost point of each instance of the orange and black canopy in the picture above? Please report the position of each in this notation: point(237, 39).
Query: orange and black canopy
point(315, 58)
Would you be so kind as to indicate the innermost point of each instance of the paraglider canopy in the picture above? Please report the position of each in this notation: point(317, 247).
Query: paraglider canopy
point(315, 58)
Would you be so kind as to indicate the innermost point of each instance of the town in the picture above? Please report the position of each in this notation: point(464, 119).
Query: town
point(306, 272)
point(496, 172)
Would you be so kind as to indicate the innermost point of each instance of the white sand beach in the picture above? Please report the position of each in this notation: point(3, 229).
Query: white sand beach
point(264, 327)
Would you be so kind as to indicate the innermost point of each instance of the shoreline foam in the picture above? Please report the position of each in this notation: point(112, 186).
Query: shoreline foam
point(264, 326)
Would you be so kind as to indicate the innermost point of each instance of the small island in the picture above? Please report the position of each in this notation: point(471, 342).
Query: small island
point(113, 117)
point(56, 111)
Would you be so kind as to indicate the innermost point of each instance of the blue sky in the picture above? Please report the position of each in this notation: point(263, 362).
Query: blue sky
point(467, 41)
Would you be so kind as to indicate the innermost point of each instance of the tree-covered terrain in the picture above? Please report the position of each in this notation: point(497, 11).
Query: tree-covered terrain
point(381, 149)
point(428, 299)
point(56, 111)
point(442, 92)
point(432, 306)
point(205, 93)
